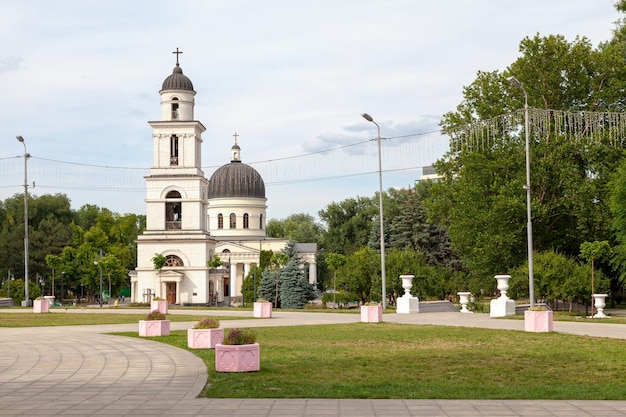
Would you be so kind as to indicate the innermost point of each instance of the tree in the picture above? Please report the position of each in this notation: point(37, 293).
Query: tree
point(335, 261)
point(54, 262)
point(361, 275)
point(270, 279)
point(591, 251)
point(300, 227)
point(348, 224)
point(481, 196)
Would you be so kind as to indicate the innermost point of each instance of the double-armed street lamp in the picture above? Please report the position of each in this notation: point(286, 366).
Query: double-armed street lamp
point(26, 301)
point(529, 228)
point(380, 206)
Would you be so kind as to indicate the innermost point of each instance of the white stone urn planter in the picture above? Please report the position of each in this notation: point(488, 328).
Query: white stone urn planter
point(538, 321)
point(153, 328)
point(407, 304)
point(262, 310)
point(204, 338)
point(372, 314)
point(159, 305)
point(503, 305)
point(237, 358)
point(464, 301)
point(41, 306)
point(599, 301)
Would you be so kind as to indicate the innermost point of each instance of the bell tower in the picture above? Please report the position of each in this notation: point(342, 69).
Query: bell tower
point(176, 203)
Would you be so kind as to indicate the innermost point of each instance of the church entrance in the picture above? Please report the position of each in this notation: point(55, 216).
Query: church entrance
point(171, 292)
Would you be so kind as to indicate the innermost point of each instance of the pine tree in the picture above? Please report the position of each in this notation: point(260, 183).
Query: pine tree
point(295, 290)
point(267, 289)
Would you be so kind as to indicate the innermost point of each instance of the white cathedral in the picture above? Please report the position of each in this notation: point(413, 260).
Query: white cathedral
point(189, 219)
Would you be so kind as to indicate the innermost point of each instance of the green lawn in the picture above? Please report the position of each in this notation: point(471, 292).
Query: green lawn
point(29, 319)
point(388, 360)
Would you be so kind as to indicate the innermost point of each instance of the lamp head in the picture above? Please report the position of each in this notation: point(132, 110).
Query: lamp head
point(21, 139)
point(514, 82)
point(367, 117)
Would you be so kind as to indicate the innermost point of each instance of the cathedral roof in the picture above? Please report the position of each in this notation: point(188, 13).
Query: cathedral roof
point(236, 180)
point(177, 81)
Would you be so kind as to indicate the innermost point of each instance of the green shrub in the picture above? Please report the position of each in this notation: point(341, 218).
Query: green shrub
point(155, 315)
point(207, 323)
point(239, 337)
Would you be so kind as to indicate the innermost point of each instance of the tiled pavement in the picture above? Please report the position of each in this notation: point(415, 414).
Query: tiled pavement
point(79, 371)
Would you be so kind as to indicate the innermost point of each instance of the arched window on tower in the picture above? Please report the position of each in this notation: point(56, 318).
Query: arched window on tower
point(173, 211)
point(175, 108)
point(173, 260)
point(174, 150)
point(233, 221)
point(261, 221)
point(220, 221)
point(246, 221)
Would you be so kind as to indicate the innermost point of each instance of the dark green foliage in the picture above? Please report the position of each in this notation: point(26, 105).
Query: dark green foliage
point(295, 290)
point(267, 289)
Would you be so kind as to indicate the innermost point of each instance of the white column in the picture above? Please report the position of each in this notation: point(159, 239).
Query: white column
point(312, 273)
point(233, 280)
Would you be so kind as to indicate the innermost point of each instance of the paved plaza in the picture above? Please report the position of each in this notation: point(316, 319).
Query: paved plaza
point(81, 371)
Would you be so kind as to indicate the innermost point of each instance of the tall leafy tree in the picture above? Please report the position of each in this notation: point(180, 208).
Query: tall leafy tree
point(348, 224)
point(481, 198)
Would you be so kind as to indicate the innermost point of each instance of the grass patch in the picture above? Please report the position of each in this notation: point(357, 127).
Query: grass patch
point(77, 319)
point(388, 360)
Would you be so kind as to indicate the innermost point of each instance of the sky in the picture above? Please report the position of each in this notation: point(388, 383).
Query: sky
point(80, 80)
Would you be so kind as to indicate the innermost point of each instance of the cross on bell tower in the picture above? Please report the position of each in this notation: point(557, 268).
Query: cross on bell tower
point(177, 52)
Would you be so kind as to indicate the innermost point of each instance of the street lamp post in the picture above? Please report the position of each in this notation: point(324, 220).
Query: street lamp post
point(26, 301)
point(10, 278)
point(41, 282)
point(529, 228)
point(380, 204)
point(96, 262)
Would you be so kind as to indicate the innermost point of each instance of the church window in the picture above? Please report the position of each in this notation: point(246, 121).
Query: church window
point(175, 108)
point(261, 221)
point(220, 221)
point(233, 221)
point(173, 260)
point(246, 221)
point(174, 150)
point(173, 211)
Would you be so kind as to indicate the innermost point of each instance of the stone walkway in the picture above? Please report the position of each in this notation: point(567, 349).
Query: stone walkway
point(79, 371)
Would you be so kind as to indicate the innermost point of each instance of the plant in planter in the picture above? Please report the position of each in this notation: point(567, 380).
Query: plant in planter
point(205, 334)
point(41, 305)
point(371, 312)
point(239, 352)
point(155, 324)
point(262, 309)
point(538, 319)
point(159, 304)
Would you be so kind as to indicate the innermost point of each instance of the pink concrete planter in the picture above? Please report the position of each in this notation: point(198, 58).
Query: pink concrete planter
point(538, 321)
point(262, 310)
point(237, 358)
point(41, 306)
point(152, 328)
point(371, 314)
point(204, 338)
point(160, 305)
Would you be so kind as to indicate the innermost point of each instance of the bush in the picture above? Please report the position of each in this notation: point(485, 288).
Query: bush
point(155, 315)
point(239, 337)
point(207, 323)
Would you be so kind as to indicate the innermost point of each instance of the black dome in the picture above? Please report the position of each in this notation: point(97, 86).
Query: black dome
point(236, 180)
point(177, 81)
